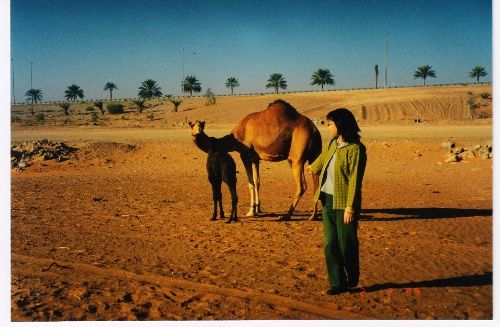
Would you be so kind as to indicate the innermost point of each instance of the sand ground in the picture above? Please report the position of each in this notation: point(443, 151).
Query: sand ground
point(121, 230)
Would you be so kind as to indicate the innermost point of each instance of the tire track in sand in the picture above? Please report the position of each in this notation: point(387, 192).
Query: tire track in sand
point(325, 311)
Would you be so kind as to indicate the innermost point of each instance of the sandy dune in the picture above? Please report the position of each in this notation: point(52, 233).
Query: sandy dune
point(121, 230)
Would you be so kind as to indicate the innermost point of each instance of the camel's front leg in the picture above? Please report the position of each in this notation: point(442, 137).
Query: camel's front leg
point(298, 174)
point(315, 179)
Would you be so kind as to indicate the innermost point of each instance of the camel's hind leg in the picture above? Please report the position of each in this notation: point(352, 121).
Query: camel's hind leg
point(217, 197)
point(298, 174)
point(234, 202)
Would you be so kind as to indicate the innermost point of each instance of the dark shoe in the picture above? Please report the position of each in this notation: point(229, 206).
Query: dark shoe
point(285, 218)
point(352, 284)
point(336, 290)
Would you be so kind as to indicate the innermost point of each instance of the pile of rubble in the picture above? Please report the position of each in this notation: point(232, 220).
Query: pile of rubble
point(456, 153)
point(21, 155)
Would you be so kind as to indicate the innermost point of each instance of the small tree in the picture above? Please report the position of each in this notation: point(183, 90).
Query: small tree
point(276, 81)
point(73, 92)
point(322, 77)
point(209, 95)
point(376, 76)
point(423, 72)
point(231, 83)
point(176, 103)
point(34, 95)
point(140, 104)
point(149, 89)
point(110, 86)
point(477, 72)
point(65, 106)
point(191, 84)
point(100, 105)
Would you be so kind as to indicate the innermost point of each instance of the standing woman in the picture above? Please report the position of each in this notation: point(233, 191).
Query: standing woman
point(341, 166)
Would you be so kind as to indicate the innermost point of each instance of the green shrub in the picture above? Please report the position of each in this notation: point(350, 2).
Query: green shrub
point(209, 95)
point(485, 95)
point(115, 108)
point(15, 119)
point(100, 106)
point(39, 117)
point(94, 117)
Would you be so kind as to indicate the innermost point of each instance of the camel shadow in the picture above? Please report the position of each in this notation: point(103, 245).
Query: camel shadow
point(423, 213)
point(261, 217)
point(460, 281)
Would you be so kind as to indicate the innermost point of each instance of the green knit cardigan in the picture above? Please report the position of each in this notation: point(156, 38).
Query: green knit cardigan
point(349, 167)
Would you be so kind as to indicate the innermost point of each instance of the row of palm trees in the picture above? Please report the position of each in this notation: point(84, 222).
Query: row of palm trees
point(151, 89)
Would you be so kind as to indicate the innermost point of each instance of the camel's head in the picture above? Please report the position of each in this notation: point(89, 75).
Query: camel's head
point(196, 127)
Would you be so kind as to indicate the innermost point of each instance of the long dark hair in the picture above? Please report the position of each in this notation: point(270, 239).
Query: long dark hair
point(346, 124)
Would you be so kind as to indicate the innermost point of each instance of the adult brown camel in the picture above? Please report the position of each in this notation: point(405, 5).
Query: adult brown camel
point(276, 134)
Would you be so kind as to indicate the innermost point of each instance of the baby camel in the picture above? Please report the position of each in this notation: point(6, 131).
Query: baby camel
point(220, 167)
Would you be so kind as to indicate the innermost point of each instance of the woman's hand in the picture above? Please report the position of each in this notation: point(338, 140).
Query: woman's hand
point(348, 215)
point(308, 169)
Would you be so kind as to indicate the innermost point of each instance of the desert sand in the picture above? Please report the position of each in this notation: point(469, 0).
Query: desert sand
point(121, 230)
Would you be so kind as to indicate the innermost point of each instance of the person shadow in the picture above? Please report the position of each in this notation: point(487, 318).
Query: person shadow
point(459, 281)
point(422, 213)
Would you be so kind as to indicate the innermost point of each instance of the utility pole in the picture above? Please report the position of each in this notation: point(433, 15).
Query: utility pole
point(194, 63)
point(31, 75)
point(386, 49)
point(182, 81)
point(13, 85)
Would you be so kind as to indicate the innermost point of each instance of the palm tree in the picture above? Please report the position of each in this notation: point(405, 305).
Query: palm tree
point(322, 77)
point(140, 104)
point(65, 106)
point(231, 83)
point(100, 105)
point(477, 72)
point(424, 72)
point(176, 103)
point(73, 92)
point(110, 86)
point(276, 81)
point(149, 89)
point(191, 84)
point(34, 95)
point(376, 76)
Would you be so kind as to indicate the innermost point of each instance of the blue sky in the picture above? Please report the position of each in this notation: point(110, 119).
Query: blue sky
point(92, 42)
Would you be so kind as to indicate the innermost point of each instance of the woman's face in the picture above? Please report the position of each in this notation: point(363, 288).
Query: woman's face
point(334, 133)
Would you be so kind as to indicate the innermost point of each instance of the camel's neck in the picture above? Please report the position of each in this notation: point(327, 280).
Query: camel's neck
point(204, 142)
point(208, 144)
point(229, 143)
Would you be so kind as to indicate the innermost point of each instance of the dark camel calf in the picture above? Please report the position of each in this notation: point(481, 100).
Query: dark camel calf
point(220, 168)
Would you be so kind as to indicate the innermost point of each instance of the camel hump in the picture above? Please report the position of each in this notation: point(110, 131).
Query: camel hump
point(283, 109)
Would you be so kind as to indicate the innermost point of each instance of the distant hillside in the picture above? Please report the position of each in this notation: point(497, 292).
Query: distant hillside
point(429, 104)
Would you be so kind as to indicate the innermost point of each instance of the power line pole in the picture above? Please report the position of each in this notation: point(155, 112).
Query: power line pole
point(386, 49)
point(31, 75)
point(183, 76)
point(13, 85)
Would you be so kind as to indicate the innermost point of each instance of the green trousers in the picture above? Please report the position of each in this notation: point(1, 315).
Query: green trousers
point(340, 245)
